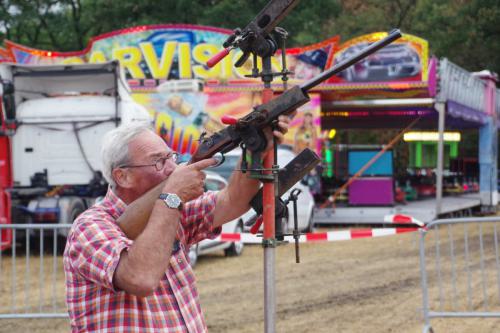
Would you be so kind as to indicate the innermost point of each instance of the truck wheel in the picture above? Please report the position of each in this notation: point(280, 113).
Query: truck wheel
point(76, 208)
point(236, 248)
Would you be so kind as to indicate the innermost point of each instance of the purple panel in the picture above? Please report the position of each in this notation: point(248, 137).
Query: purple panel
point(376, 191)
point(465, 113)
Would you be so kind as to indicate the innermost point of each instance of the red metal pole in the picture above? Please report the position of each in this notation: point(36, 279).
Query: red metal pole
point(268, 190)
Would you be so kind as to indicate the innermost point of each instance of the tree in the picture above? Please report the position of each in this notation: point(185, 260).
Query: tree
point(467, 32)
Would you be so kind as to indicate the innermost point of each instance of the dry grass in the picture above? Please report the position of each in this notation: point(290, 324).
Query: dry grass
point(352, 286)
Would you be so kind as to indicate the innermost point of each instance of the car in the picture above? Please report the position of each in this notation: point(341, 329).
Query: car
point(214, 182)
point(392, 62)
point(305, 202)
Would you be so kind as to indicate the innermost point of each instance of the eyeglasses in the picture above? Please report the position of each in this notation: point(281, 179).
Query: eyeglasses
point(159, 164)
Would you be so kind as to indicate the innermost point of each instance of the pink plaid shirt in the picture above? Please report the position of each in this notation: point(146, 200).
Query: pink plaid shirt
point(90, 259)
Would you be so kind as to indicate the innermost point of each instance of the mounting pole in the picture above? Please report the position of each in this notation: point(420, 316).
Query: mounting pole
point(269, 237)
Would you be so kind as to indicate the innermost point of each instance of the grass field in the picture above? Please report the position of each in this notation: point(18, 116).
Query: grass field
point(364, 285)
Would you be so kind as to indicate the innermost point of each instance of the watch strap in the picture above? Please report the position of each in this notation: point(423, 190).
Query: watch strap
point(164, 196)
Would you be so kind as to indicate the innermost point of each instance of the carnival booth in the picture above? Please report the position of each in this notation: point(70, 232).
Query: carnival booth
point(399, 88)
point(402, 89)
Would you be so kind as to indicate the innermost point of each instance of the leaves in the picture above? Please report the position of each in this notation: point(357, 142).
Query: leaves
point(465, 31)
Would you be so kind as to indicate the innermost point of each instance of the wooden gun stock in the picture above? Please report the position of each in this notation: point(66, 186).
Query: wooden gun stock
point(261, 117)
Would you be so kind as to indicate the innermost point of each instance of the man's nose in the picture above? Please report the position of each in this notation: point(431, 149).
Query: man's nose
point(169, 167)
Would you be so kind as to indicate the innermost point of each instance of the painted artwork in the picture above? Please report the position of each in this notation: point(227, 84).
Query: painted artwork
point(404, 60)
point(152, 54)
point(305, 127)
point(165, 65)
point(178, 117)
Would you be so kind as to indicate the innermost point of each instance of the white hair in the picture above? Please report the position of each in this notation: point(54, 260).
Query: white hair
point(114, 150)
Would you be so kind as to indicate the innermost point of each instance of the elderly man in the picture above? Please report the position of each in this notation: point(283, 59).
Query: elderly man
point(126, 260)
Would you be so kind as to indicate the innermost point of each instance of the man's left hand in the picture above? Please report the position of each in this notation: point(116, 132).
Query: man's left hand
point(279, 132)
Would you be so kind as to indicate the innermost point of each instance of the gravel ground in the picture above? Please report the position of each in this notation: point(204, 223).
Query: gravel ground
point(363, 285)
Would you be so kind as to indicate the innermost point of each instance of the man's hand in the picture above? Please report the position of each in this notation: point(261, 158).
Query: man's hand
point(187, 180)
point(279, 132)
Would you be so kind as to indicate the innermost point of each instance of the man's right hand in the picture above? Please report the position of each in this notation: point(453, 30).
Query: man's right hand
point(187, 180)
point(154, 230)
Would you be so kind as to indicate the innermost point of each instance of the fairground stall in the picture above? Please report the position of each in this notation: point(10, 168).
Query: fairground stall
point(425, 105)
point(428, 104)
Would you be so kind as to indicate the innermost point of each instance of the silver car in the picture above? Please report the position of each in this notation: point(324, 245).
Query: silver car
point(305, 202)
point(214, 182)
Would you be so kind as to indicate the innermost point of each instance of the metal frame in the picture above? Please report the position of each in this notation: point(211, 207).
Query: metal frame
point(46, 307)
point(441, 255)
point(458, 85)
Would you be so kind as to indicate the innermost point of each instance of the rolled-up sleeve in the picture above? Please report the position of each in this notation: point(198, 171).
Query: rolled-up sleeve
point(94, 248)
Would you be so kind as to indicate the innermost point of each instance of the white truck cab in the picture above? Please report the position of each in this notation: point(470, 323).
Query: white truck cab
point(53, 120)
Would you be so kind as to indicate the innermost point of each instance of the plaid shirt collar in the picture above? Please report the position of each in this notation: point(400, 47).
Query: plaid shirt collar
point(115, 205)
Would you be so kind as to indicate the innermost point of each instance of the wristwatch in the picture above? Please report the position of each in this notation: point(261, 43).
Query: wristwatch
point(172, 200)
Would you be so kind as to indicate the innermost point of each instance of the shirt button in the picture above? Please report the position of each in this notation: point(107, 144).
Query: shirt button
point(179, 261)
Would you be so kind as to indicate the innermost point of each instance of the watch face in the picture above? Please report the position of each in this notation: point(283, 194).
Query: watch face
point(173, 201)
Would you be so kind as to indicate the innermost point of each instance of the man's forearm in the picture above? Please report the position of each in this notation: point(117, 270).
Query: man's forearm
point(234, 200)
point(142, 266)
point(136, 216)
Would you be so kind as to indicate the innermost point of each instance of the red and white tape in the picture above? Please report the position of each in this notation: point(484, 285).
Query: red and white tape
point(330, 236)
point(402, 219)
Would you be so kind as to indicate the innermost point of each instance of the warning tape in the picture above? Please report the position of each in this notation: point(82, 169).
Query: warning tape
point(330, 236)
point(403, 219)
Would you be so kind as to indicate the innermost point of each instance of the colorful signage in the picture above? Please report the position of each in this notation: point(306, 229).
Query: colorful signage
point(165, 67)
point(152, 54)
point(404, 60)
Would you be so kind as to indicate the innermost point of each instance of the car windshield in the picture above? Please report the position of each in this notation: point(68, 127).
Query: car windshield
point(226, 168)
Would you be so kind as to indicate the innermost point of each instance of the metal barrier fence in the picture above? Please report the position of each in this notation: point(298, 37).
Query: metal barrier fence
point(32, 274)
point(460, 269)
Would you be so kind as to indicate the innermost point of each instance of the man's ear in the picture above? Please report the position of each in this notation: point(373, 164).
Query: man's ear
point(121, 177)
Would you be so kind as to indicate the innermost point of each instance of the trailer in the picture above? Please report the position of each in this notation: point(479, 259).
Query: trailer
point(53, 119)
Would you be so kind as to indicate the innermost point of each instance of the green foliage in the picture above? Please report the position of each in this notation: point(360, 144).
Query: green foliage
point(306, 23)
point(465, 31)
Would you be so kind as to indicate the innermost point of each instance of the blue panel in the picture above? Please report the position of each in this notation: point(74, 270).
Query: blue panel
point(381, 167)
point(488, 165)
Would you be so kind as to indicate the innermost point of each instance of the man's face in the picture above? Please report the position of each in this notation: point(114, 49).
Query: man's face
point(147, 148)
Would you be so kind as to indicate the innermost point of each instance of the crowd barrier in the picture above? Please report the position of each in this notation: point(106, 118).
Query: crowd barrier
point(31, 274)
point(459, 262)
point(460, 269)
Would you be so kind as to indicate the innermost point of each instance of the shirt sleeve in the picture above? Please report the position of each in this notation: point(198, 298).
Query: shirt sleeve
point(198, 218)
point(94, 248)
